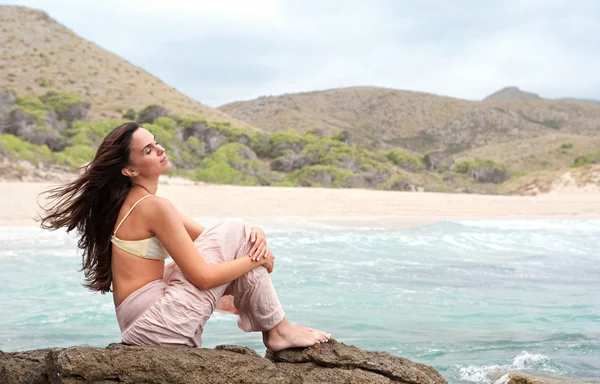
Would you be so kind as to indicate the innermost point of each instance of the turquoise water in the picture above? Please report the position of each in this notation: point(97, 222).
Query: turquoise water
point(474, 299)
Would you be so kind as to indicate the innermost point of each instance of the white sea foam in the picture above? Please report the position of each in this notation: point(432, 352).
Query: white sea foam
point(484, 374)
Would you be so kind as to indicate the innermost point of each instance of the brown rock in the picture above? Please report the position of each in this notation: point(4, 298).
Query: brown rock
point(519, 378)
point(339, 355)
point(326, 363)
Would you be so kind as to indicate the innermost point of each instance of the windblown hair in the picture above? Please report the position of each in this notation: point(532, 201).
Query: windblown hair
point(92, 203)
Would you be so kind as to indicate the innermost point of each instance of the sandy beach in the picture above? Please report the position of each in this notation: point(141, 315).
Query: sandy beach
point(352, 207)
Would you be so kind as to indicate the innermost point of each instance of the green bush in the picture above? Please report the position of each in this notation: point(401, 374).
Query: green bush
point(90, 132)
point(465, 167)
point(404, 160)
point(14, 146)
point(33, 106)
point(234, 163)
point(188, 121)
point(318, 149)
point(586, 158)
point(74, 156)
point(324, 176)
point(130, 114)
point(193, 151)
point(218, 172)
point(59, 101)
point(166, 138)
point(327, 151)
point(396, 183)
point(567, 146)
point(290, 139)
point(166, 122)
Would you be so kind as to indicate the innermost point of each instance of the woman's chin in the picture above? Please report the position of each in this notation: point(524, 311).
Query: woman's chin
point(166, 167)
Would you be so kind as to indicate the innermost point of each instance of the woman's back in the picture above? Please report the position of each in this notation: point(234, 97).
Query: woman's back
point(131, 272)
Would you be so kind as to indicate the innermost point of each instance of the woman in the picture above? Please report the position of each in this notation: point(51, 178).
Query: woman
point(127, 233)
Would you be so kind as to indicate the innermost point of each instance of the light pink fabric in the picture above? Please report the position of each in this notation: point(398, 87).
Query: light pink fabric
point(172, 311)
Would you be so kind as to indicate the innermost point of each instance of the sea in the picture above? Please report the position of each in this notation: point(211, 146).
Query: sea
point(473, 299)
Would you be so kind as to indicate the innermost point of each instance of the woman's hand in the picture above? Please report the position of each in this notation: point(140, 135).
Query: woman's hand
point(269, 261)
point(259, 249)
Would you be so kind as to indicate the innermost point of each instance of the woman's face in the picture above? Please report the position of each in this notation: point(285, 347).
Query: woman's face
point(147, 157)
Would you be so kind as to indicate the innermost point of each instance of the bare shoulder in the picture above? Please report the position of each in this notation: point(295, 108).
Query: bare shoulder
point(161, 217)
point(157, 207)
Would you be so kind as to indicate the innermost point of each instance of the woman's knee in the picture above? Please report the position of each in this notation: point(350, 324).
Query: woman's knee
point(237, 225)
point(235, 221)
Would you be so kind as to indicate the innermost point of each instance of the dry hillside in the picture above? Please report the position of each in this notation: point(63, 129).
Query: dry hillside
point(39, 54)
point(512, 93)
point(380, 117)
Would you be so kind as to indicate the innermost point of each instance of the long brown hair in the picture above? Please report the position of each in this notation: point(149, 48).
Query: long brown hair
point(92, 203)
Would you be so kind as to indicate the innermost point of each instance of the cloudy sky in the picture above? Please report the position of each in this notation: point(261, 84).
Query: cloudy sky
point(218, 51)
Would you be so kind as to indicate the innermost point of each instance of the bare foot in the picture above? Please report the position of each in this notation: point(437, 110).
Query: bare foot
point(286, 335)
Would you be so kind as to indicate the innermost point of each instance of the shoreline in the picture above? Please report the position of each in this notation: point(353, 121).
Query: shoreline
point(336, 207)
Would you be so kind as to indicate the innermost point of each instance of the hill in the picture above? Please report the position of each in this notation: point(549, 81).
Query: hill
point(60, 95)
point(512, 93)
point(39, 54)
point(419, 122)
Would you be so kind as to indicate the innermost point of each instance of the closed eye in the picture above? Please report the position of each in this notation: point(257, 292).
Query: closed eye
point(150, 149)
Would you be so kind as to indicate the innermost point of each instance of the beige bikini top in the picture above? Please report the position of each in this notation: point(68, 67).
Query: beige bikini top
point(150, 248)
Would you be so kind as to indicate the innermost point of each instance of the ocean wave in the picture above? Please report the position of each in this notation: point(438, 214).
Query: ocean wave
point(562, 225)
point(524, 361)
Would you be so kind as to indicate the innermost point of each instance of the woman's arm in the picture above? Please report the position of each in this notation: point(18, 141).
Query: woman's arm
point(192, 228)
point(165, 222)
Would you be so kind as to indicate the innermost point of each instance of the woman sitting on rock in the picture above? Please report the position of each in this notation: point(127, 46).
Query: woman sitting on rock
point(127, 233)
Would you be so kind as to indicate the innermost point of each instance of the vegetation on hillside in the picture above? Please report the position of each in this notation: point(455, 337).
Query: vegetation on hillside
point(420, 122)
point(54, 128)
point(38, 54)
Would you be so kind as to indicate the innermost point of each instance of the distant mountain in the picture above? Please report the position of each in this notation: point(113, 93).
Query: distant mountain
point(594, 102)
point(512, 93)
point(39, 54)
point(420, 122)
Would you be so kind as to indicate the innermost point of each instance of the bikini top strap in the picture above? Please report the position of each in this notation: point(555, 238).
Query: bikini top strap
point(127, 214)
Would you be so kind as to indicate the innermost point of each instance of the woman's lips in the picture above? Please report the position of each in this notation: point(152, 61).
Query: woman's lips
point(165, 158)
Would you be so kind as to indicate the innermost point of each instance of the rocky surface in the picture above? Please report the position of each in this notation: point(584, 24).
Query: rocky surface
point(327, 363)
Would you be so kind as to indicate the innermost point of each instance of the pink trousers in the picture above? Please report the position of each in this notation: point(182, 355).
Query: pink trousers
point(172, 311)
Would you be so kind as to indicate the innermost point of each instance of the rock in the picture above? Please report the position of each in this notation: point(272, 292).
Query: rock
point(24, 367)
point(339, 355)
point(489, 174)
point(332, 362)
point(519, 378)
